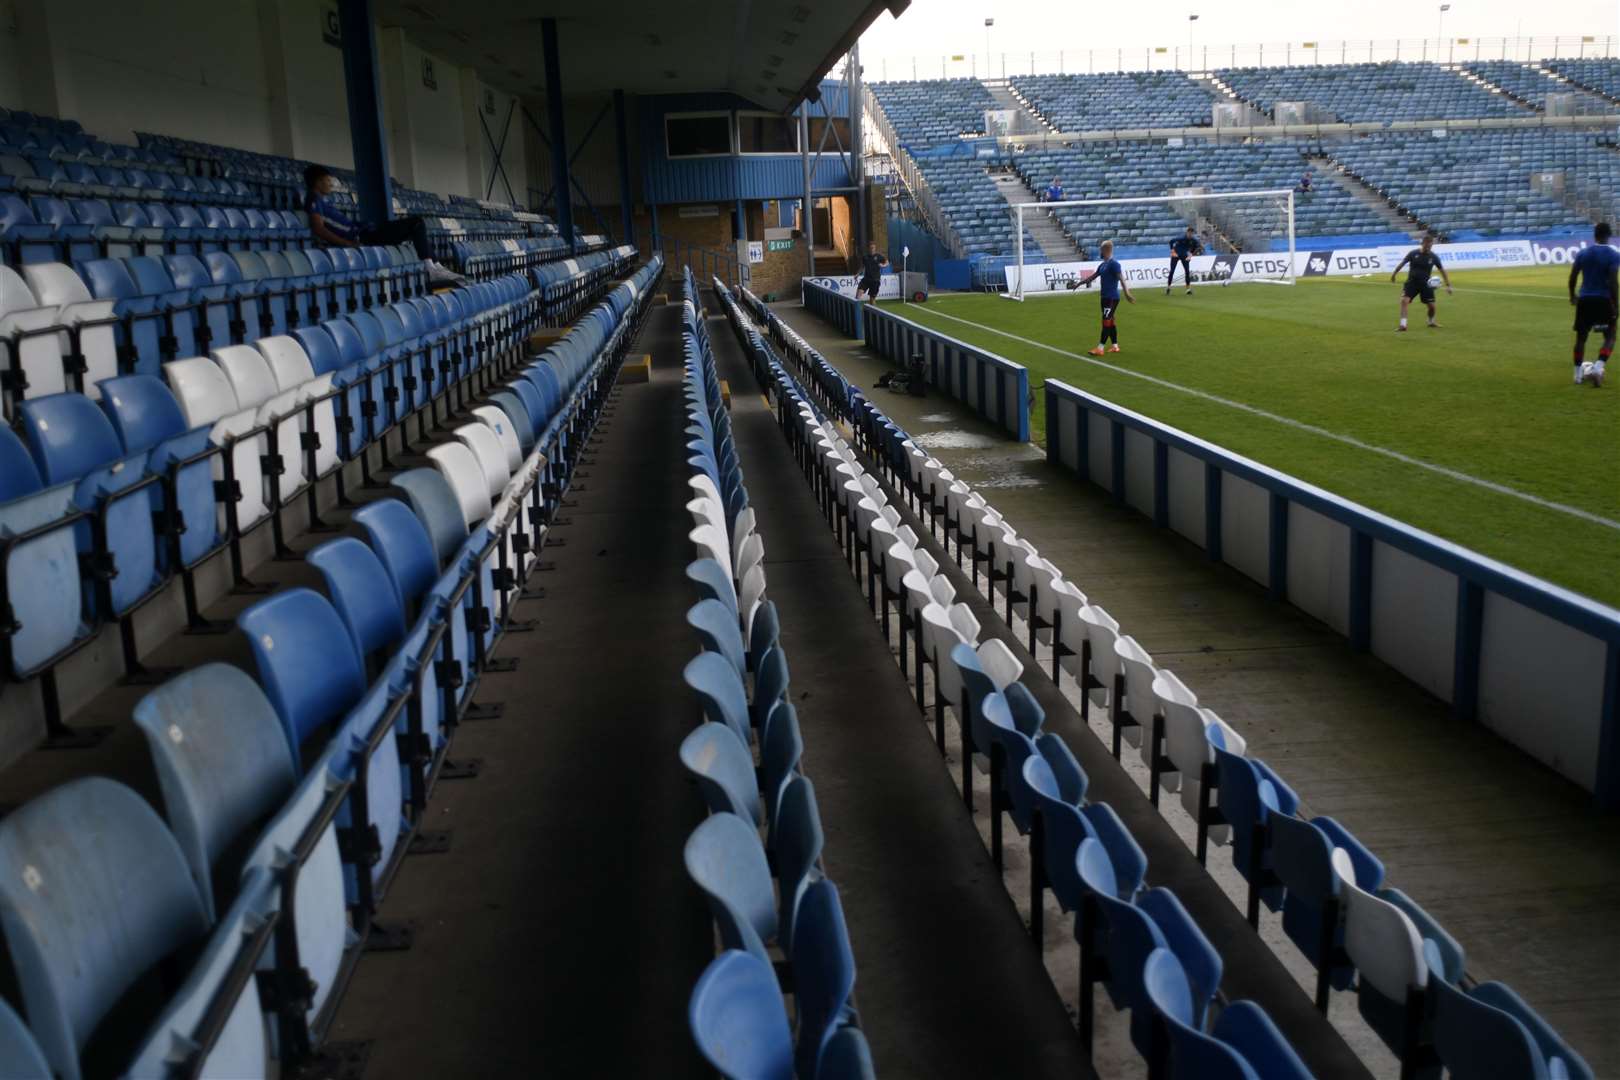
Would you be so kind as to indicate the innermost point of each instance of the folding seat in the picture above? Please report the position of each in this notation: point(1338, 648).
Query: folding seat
point(1244, 1043)
point(724, 770)
point(437, 507)
point(223, 766)
point(261, 310)
point(75, 239)
point(1250, 796)
point(86, 338)
point(461, 468)
point(72, 441)
point(823, 972)
point(217, 308)
point(275, 410)
point(1058, 826)
point(207, 399)
point(23, 238)
point(489, 451)
point(1489, 1031)
point(716, 625)
point(21, 1057)
point(739, 1021)
point(83, 946)
point(113, 239)
point(143, 326)
point(294, 372)
point(725, 860)
point(360, 590)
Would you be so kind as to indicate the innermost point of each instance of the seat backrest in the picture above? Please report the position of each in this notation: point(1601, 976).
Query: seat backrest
point(204, 393)
point(724, 769)
point(738, 1019)
point(823, 970)
point(1382, 942)
point(468, 481)
point(505, 430)
point(1475, 1038)
point(724, 859)
point(360, 590)
point(487, 448)
point(21, 1057)
point(221, 759)
point(717, 628)
point(288, 361)
point(55, 284)
point(798, 842)
point(19, 475)
point(403, 546)
point(436, 506)
point(846, 1057)
point(249, 374)
point(78, 934)
point(720, 689)
point(68, 436)
point(320, 349)
point(306, 659)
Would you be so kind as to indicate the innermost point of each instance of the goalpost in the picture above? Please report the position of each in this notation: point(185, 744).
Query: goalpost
point(1247, 237)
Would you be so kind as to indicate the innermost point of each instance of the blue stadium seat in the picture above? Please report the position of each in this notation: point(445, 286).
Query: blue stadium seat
point(435, 505)
point(222, 763)
point(360, 589)
point(738, 1019)
point(306, 659)
point(724, 859)
point(720, 689)
point(724, 770)
point(797, 847)
point(402, 544)
point(1302, 854)
point(20, 1055)
point(846, 1057)
point(79, 937)
point(1250, 795)
point(823, 972)
point(1490, 1031)
point(1244, 1044)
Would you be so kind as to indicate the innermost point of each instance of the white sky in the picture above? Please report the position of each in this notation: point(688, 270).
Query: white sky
point(931, 28)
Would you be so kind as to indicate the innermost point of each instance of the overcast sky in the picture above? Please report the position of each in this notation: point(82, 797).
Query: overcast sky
point(936, 27)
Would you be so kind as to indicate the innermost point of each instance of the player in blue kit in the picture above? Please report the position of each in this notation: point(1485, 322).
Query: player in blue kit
point(1112, 276)
point(1597, 268)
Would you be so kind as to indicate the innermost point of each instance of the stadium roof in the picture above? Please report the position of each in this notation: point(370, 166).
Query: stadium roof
point(772, 52)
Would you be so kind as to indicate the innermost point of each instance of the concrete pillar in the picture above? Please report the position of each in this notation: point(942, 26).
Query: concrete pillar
point(626, 200)
point(557, 134)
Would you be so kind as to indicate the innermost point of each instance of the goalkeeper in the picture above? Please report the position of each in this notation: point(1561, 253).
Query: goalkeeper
point(1182, 249)
point(1113, 281)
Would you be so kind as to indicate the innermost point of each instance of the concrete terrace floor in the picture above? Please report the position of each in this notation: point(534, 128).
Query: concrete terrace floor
point(1511, 858)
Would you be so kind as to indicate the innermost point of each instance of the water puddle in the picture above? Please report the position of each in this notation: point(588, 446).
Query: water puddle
point(953, 440)
point(937, 418)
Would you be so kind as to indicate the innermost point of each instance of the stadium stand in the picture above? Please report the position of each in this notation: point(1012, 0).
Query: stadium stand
point(1115, 100)
point(1532, 84)
point(1397, 90)
point(1477, 185)
point(934, 110)
point(1601, 75)
point(977, 210)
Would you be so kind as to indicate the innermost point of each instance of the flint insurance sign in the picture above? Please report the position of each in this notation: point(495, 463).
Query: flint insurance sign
point(1052, 277)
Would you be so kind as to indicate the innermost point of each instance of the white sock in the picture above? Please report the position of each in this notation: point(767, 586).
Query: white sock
point(1403, 320)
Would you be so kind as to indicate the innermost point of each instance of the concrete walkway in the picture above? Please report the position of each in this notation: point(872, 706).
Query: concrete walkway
point(1510, 857)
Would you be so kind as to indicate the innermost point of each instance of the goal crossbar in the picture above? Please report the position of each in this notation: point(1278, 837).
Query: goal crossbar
point(1281, 274)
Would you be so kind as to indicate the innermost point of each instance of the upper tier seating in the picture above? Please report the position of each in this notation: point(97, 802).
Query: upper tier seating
point(1600, 74)
point(934, 110)
point(1368, 93)
point(974, 206)
point(1531, 85)
point(1116, 100)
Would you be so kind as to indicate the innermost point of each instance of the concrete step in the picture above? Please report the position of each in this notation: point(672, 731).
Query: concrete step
point(1331, 172)
point(1052, 240)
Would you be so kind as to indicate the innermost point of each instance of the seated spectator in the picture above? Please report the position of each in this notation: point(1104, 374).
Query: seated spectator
point(331, 229)
point(1054, 191)
point(1305, 180)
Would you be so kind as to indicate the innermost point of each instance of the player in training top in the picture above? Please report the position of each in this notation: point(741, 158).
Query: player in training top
point(1423, 263)
point(1598, 305)
point(1182, 249)
point(1113, 281)
point(872, 265)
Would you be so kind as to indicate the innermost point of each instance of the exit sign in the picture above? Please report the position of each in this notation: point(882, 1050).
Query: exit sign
point(779, 245)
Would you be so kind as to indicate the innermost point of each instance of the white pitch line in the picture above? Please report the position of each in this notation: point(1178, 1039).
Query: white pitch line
point(1300, 425)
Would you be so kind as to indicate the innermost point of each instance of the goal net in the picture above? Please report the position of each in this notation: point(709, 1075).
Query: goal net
point(1246, 237)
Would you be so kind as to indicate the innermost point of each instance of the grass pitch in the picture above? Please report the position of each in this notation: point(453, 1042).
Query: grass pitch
point(1489, 395)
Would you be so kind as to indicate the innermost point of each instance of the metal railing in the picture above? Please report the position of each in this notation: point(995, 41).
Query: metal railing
point(1191, 56)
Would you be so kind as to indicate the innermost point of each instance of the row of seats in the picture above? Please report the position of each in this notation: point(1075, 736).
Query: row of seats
point(48, 228)
point(973, 205)
point(1371, 93)
point(1080, 849)
point(1359, 933)
point(1477, 184)
point(215, 939)
point(1599, 74)
point(112, 503)
point(1532, 85)
point(934, 111)
point(1111, 101)
point(737, 1014)
point(64, 328)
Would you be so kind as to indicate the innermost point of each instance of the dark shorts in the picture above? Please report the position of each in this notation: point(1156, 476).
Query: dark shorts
point(1593, 313)
point(1419, 290)
point(1110, 304)
point(869, 287)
